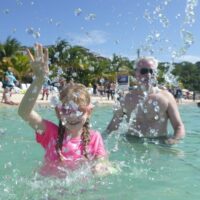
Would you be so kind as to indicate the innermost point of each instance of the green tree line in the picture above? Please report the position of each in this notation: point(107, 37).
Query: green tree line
point(86, 67)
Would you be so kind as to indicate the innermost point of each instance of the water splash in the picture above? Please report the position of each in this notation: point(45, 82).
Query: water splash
point(31, 31)
point(77, 11)
point(169, 77)
point(185, 33)
point(6, 11)
point(90, 17)
point(2, 131)
point(190, 12)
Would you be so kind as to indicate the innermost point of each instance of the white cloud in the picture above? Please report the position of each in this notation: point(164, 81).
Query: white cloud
point(189, 58)
point(94, 37)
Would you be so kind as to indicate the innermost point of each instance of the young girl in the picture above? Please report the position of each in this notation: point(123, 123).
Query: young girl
point(71, 143)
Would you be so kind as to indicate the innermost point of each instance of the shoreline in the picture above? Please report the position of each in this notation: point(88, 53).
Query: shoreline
point(16, 98)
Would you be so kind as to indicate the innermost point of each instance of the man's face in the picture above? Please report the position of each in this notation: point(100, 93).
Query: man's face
point(146, 73)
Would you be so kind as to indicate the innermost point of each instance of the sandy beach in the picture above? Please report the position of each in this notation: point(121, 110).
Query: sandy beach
point(16, 98)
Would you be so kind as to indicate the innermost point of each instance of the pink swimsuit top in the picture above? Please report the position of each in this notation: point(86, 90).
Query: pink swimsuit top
point(72, 150)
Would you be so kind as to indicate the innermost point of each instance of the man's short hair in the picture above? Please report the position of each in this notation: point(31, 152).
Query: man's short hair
point(146, 62)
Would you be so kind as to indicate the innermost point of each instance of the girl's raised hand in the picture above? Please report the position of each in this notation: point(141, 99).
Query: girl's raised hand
point(39, 62)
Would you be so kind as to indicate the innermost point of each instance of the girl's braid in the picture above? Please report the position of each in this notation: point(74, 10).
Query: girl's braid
point(85, 137)
point(59, 142)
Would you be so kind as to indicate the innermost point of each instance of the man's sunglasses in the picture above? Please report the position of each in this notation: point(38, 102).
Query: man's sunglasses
point(146, 71)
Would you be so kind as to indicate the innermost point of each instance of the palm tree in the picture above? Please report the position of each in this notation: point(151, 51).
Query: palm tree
point(7, 50)
point(77, 62)
point(58, 53)
point(21, 66)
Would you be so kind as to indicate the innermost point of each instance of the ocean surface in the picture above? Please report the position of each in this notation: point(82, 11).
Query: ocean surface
point(146, 170)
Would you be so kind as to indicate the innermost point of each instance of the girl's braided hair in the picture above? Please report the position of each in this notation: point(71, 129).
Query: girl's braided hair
point(78, 94)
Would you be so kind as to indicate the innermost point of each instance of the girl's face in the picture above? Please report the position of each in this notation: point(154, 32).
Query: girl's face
point(73, 116)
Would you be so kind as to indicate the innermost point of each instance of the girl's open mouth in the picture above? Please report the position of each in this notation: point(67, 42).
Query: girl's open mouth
point(73, 123)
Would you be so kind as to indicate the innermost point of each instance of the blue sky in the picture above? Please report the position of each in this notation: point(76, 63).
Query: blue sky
point(166, 29)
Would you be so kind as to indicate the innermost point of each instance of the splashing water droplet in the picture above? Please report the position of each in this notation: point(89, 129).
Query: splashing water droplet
point(51, 21)
point(150, 101)
point(90, 17)
point(190, 12)
point(187, 37)
point(74, 74)
point(6, 11)
point(77, 11)
point(155, 103)
point(60, 71)
point(91, 68)
point(36, 34)
point(55, 101)
point(156, 117)
point(162, 119)
point(145, 110)
point(56, 55)
point(30, 30)
point(157, 109)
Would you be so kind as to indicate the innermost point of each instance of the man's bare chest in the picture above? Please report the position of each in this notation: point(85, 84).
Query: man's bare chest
point(153, 108)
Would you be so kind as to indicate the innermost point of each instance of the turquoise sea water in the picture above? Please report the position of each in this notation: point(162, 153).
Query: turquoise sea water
point(147, 171)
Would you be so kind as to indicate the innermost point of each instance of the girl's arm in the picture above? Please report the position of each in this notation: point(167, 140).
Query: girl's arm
point(39, 64)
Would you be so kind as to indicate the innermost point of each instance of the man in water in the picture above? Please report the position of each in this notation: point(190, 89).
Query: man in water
point(148, 108)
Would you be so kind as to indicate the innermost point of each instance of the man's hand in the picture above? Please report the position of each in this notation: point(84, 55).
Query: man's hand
point(171, 141)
